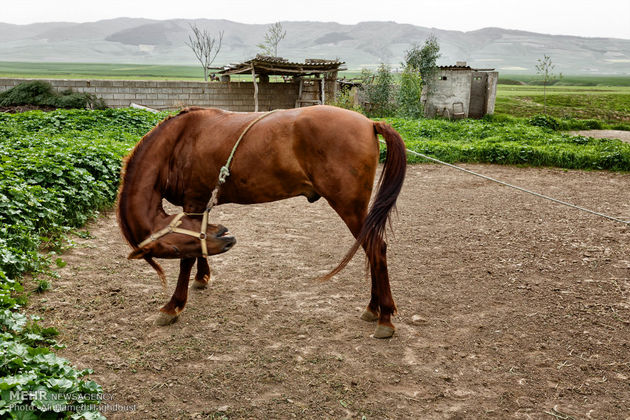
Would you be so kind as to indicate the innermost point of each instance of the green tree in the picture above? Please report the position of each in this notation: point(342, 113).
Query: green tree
point(379, 92)
point(544, 68)
point(409, 94)
point(275, 33)
point(423, 58)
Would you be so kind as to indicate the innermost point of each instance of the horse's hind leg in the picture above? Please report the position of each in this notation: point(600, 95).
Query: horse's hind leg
point(381, 306)
point(202, 278)
point(170, 311)
point(371, 313)
point(382, 294)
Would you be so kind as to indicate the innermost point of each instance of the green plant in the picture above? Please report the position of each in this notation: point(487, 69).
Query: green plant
point(275, 33)
point(57, 169)
point(408, 103)
point(423, 59)
point(379, 95)
point(34, 382)
point(41, 93)
point(512, 142)
point(345, 98)
point(545, 69)
point(545, 121)
point(42, 285)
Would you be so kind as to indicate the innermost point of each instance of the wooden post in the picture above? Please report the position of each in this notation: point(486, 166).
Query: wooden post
point(298, 102)
point(323, 91)
point(255, 90)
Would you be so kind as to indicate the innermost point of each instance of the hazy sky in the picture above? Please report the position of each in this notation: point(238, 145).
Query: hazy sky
point(592, 18)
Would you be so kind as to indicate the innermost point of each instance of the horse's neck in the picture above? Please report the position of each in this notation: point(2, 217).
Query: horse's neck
point(140, 210)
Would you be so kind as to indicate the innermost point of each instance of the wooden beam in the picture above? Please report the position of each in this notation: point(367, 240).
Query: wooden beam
point(239, 70)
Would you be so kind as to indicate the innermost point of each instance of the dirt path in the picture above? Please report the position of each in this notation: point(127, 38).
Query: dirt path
point(510, 307)
point(604, 134)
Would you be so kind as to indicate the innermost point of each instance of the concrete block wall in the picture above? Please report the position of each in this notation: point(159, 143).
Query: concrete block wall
point(447, 88)
point(491, 95)
point(158, 94)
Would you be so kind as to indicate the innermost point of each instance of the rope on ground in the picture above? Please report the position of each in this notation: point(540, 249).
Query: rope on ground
point(555, 200)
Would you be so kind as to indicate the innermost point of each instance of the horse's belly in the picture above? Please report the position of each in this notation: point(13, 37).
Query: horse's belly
point(261, 191)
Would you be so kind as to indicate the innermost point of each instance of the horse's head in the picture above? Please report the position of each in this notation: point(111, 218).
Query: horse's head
point(185, 241)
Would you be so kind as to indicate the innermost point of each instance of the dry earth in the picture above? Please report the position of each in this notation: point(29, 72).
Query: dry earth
point(509, 307)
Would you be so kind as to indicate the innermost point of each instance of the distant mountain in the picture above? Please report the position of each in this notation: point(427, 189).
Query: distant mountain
point(127, 40)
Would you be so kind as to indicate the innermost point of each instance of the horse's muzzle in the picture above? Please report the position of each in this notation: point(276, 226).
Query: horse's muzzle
point(228, 240)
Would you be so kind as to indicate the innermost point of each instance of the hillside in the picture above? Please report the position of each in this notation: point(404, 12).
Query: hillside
point(128, 40)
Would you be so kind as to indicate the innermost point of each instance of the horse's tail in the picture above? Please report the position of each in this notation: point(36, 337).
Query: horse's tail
point(390, 183)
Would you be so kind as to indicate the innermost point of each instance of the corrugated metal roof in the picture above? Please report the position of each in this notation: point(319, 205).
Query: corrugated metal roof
point(281, 66)
point(462, 68)
point(455, 68)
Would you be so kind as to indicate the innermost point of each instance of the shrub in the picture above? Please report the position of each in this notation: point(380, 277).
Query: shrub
point(408, 98)
point(28, 93)
point(42, 93)
point(345, 98)
point(621, 126)
point(593, 124)
point(577, 124)
point(379, 92)
point(544, 121)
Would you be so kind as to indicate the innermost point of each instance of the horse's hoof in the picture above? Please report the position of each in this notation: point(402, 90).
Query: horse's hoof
point(383, 331)
point(165, 319)
point(199, 285)
point(369, 316)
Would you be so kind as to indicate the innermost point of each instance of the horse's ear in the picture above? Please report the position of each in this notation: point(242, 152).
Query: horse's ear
point(138, 253)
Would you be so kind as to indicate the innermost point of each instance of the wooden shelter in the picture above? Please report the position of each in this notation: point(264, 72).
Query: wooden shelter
point(315, 78)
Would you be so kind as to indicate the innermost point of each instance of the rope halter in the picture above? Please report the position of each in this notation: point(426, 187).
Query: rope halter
point(224, 173)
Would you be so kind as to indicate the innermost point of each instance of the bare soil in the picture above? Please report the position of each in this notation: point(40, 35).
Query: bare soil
point(509, 307)
point(604, 134)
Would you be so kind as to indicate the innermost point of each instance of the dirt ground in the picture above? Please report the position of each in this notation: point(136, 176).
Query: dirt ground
point(604, 134)
point(509, 307)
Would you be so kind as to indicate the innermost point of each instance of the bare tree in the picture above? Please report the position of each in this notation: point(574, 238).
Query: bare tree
point(275, 33)
point(545, 69)
point(205, 47)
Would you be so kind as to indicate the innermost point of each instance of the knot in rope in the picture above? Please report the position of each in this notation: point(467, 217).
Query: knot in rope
point(223, 174)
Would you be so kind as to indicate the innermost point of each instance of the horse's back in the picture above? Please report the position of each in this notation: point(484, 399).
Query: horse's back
point(304, 151)
point(337, 146)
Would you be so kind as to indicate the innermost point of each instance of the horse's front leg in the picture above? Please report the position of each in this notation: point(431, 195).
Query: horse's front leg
point(170, 311)
point(202, 278)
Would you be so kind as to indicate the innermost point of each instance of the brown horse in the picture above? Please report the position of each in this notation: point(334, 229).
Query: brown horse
point(318, 151)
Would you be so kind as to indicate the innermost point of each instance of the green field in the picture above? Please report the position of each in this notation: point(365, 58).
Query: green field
point(99, 71)
point(568, 80)
point(607, 103)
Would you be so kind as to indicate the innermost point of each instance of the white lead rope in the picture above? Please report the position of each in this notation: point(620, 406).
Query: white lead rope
point(555, 200)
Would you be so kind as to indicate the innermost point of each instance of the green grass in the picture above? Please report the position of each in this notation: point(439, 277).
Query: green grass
point(99, 71)
point(509, 141)
point(572, 80)
point(607, 103)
